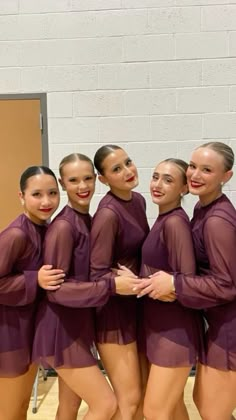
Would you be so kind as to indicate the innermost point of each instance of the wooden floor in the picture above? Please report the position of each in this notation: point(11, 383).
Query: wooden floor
point(47, 401)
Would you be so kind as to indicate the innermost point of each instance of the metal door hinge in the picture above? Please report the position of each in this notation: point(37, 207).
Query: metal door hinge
point(41, 122)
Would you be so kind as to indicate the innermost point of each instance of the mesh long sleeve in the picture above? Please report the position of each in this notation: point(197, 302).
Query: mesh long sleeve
point(217, 283)
point(103, 241)
point(178, 239)
point(76, 291)
point(17, 288)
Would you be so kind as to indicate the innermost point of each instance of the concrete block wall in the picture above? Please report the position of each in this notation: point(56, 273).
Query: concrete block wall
point(155, 76)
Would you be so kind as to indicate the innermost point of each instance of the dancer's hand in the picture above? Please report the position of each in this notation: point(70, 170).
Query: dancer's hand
point(50, 278)
point(168, 298)
point(159, 284)
point(126, 285)
point(122, 270)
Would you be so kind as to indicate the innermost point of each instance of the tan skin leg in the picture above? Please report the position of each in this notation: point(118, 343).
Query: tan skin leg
point(144, 371)
point(214, 393)
point(69, 402)
point(122, 366)
point(180, 411)
point(164, 391)
point(15, 395)
point(90, 385)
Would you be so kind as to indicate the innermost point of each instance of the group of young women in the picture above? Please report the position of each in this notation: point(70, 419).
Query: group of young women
point(154, 302)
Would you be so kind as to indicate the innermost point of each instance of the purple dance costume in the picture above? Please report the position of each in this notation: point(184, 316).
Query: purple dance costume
point(65, 321)
point(173, 332)
point(214, 290)
point(119, 229)
point(20, 260)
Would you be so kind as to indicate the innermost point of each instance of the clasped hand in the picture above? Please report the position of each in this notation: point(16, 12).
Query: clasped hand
point(157, 286)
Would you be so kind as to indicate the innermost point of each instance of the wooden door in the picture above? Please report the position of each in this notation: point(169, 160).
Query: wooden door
point(21, 146)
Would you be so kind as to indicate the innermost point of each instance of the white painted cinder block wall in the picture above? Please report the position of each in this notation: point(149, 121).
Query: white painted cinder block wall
point(156, 76)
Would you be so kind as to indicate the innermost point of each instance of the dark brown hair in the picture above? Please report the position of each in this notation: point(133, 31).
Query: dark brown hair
point(32, 171)
point(101, 155)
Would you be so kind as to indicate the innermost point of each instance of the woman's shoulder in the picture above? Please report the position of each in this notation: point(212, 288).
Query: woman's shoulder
point(138, 197)
point(18, 226)
point(63, 220)
point(221, 210)
point(176, 217)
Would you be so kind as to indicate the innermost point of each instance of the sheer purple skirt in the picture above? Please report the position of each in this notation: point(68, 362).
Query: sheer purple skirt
point(16, 331)
point(220, 350)
point(64, 337)
point(116, 321)
point(141, 330)
point(174, 334)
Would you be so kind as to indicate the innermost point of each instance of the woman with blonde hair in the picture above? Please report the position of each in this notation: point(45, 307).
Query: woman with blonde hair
point(65, 332)
point(214, 288)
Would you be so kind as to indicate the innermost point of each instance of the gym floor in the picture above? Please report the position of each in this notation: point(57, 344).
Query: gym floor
point(47, 401)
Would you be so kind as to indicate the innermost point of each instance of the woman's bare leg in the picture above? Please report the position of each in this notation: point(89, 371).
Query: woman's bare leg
point(180, 411)
point(15, 395)
point(144, 369)
point(215, 393)
point(122, 366)
point(91, 386)
point(69, 402)
point(164, 391)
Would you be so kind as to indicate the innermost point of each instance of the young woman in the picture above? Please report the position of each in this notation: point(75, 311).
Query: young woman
point(118, 232)
point(214, 289)
point(172, 331)
point(65, 326)
point(20, 261)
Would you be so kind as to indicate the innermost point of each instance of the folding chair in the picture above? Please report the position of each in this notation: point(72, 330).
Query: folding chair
point(35, 387)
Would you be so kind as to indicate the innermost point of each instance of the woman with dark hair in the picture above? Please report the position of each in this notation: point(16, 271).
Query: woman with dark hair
point(20, 275)
point(214, 288)
point(173, 332)
point(119, 229)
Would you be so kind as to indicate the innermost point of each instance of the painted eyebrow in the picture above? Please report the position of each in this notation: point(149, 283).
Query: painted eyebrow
point(204, 166)
point(121, 163)
point(116, 165)
point(168, 175)
point(49, 189)
point(165, 175)
point(77, 177)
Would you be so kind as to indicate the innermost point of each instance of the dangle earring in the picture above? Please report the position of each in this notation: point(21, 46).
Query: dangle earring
point(221, 183)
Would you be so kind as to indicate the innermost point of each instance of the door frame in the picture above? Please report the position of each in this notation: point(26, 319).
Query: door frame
point(44, 122)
